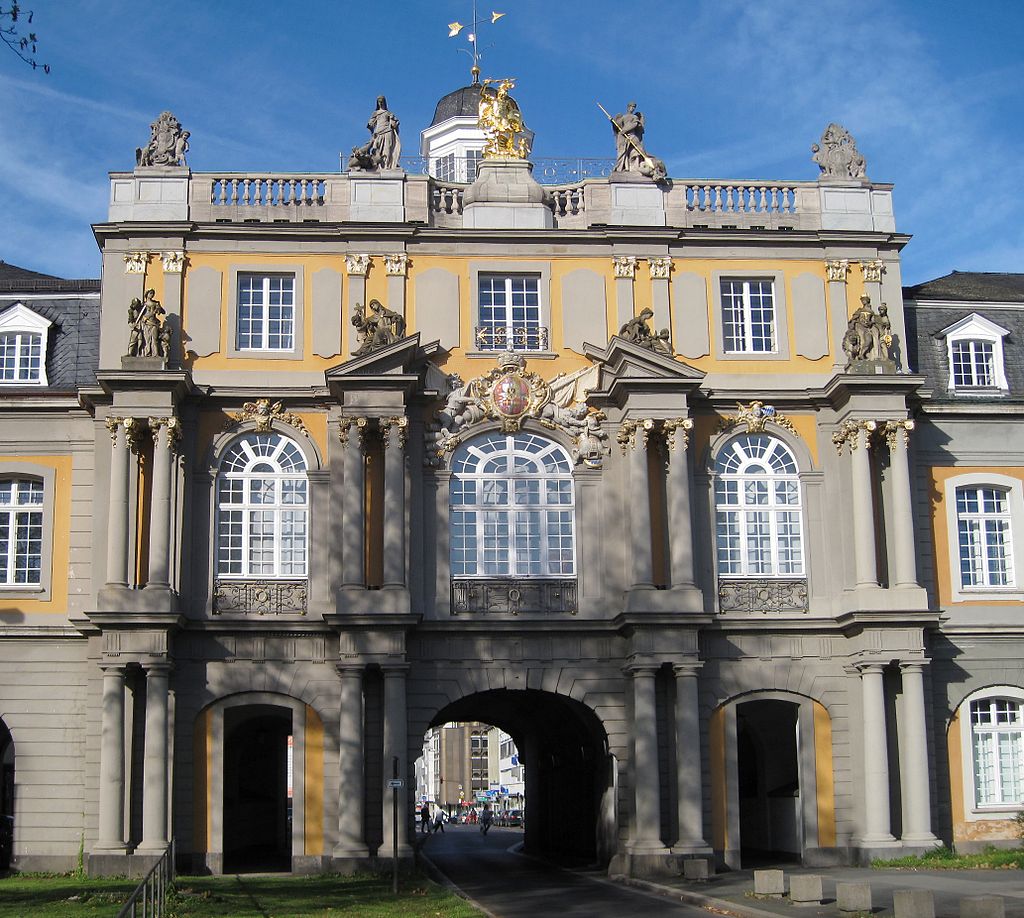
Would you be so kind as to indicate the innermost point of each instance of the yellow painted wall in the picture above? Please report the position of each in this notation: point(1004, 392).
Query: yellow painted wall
point(719, 796)
point(314, 783)
point(202, 781)
point(58, 601)
point(946, 567)
point(824, 777)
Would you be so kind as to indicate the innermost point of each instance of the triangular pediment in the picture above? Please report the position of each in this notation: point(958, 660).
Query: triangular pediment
point(629, 368)
point(396, 366)
point(22, 318)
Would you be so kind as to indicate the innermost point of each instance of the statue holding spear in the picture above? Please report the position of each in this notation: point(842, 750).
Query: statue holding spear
point(631, 156)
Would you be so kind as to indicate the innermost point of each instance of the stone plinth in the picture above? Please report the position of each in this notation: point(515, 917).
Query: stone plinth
point(699, 868)
point(805, 890)
point(872, 368)
point(913, 903)
point(982, 907)
point(853, 897)
point(769, 883)
point(505, 195)
point(636, 200)
point(377, 197)
point(149, 193)
point(855, 205)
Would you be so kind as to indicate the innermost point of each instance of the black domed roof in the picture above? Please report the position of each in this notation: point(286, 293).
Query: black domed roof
point(463, 103)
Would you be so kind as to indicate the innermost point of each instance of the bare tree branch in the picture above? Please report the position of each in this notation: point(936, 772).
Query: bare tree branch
point(22, 45)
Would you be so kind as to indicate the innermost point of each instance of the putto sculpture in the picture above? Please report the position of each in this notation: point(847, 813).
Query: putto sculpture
point(630, 153)
point(502, 121)
point(868, 338)
point(637, 330)
point(167, 146)
point(149, 335)
point(384, 146)
point(837, 155)
point(378, 328)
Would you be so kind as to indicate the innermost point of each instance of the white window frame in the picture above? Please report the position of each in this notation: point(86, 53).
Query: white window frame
point(780, 309)
point(487, 515)
point(1014, 488)
point(26, 324)
point(976, 328)
point(972, 809)
point(247, 508)
point(773, 509)
point(295, 272)
point(534, 269)
point(47, 475)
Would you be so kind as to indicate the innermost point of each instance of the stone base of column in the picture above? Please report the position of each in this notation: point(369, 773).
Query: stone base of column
point(645, 864)
point(115, 597)
point(152, 848)
point(868, 849)
point(925, 841)
point(108, 862)
point(154, 598)
point(692, 847)
point(904, 599)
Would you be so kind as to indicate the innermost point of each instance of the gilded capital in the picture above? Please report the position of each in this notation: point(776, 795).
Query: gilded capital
point(872, 271)
point(676, 424)
point(396, 265)
point(112, 423)
point(135, 262)
point(837, 270)
point(849, 435)
point(398, 425)
point(357, 265)
point(627, 437)
point(173, 262)
point(625, 265)
point(345, 425)
point(891, 431)
point(171, 427)
point(661, 267)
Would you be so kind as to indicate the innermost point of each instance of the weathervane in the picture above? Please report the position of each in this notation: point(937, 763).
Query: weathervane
point(455, 27)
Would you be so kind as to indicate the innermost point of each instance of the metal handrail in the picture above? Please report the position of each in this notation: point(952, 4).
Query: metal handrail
point(151, 893)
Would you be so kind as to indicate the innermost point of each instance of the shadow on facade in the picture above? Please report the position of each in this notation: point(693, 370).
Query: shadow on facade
point(569, 773)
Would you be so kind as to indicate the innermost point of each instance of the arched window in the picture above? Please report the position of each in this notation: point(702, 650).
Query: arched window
point(511, 504)
point(997, 751)
point(758, 515)
point(262, 508)
point(21, 531)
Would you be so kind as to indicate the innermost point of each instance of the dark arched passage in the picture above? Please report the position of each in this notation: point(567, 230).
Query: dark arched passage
point(569, 772)
point(6, 796)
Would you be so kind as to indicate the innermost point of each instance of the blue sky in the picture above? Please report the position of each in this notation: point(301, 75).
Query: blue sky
point(930, 89)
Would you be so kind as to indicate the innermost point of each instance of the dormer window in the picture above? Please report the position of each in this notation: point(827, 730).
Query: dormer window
point(23, 339)
point(974, 347)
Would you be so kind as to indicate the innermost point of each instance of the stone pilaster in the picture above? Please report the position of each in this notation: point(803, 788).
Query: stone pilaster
point(155, 770)
point(396, 267)
point(633, 437)
point(689, 781)
point(877, 822)
point(677, 438)
point(661, 273)
point(624, 267)
point(915, 783)
point(351, 432)
point(897, 434)
point(357, 267)
point(837, 272)
point(166, 432)
point(111, 838)
point(393, 430)
point(646, 838)
point(351, 841)
point(395, 746)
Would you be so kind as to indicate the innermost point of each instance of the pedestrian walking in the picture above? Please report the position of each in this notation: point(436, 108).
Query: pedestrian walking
point(425, 819)
point(486, 817)
point(439, 820)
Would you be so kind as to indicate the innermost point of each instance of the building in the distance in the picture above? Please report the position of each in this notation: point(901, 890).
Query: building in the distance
point(659, 476)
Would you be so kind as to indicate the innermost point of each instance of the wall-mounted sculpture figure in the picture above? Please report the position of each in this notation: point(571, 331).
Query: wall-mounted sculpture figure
point(378, 328)
point(637, 330)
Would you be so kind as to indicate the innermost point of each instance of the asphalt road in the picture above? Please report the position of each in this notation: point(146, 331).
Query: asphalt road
point(511, 885)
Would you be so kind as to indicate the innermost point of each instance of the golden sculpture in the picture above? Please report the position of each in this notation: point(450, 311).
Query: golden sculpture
point(502, 121)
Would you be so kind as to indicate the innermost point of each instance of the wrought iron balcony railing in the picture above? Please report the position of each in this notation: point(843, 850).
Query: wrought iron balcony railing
point(518, 338)
point(762, 595)
point(513, 596)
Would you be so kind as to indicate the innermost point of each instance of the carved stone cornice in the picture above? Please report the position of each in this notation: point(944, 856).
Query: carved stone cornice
point(358, 265)
point(755, 416)
point(848, 434)
point(400, 424)
point(625, 265)
point(891, 429)
point(396, 265)
point(670, 427)
point(872, 271)
point(172, 430)
point(263, 413)
point(660, 267)
point(135, 262)
point(837, 270)
point(345, 425)
point(630, 432)
point(173, 262)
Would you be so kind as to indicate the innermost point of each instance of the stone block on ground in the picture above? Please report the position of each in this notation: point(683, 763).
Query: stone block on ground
point(982, 907)
point(696, 868)
point(853, 897)
point(913, 903)
point(769, 883)
point(805, 889)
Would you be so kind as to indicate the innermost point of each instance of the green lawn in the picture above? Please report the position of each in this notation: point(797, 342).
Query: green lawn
point(944, 859)
point(326, 896)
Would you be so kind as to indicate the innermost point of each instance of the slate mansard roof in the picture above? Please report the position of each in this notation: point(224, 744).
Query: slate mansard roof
point(462, 103)
point(934, 305)
point(73, 306)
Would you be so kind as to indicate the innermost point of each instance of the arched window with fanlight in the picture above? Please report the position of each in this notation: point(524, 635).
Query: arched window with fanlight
point(262, 509)
point(512, 508)
point(758, 509)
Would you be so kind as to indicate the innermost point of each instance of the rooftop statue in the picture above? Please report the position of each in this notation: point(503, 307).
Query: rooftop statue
point(636, 330)
point(384, 146)
point(630, 153)
point(837, 155)
point(868, 336)
point(502, 121)
point(167, 146)
point(149, 335)
point(380, 328)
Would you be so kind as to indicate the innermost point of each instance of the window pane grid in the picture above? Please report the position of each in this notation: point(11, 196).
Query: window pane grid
point(20, 357)
point(266, 312)
point(973, 363)
point(748, 316)
point(997, 730)
point(21, 532)
point(984, 537)
point(509, 313)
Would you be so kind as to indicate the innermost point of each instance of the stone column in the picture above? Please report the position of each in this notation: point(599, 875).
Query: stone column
point(689, 782)
point(351, 840)
point(395, 744)
point(154, 789)
point(679, 521)
point(646, 788)
point(913, 730)
point(394, 502)
point(160, 517)
point(897, 434)
point(122, 433)
point(111, 814)
point(863, 506)
point(633, 437)
point(876, 761)
point(353, 545)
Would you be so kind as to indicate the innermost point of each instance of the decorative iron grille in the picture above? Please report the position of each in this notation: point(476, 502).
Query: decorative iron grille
point(260, 597)
point(518, 338)
point(513, 596)
point(762, 595)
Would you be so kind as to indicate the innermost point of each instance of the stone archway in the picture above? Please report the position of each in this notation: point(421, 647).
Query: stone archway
point(6, 796)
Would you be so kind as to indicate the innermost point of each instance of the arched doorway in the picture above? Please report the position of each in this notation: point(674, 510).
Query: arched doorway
point(569, 773)
point(6, 796)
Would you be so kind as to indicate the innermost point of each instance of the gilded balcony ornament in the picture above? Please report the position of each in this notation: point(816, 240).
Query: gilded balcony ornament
point(173, 262)
point(625, 265)
point(849, 432)
point(891, 430)
point(837, 270)
point(263, 413)
point(755, 416)
point(660, 267)
point(501, 121)
point(396, 265)
point(872, 271)
point(135, 262)
point(669, 428)
point(345, 425)
point(357, 265)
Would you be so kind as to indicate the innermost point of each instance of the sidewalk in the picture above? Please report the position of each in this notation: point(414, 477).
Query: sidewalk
point(730, 892)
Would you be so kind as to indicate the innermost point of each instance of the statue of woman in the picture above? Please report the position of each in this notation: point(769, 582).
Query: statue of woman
point(385, 145)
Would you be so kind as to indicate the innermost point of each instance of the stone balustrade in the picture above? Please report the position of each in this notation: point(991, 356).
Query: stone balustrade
point(690, 204)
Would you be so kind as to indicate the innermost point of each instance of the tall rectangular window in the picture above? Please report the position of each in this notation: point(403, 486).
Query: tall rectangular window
point(748, 317)
point(984, 537)
point(997, 731)
point(21, 357)
point(509, 313)
point(266, 312)
point(973, 363)
point(21, 531)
